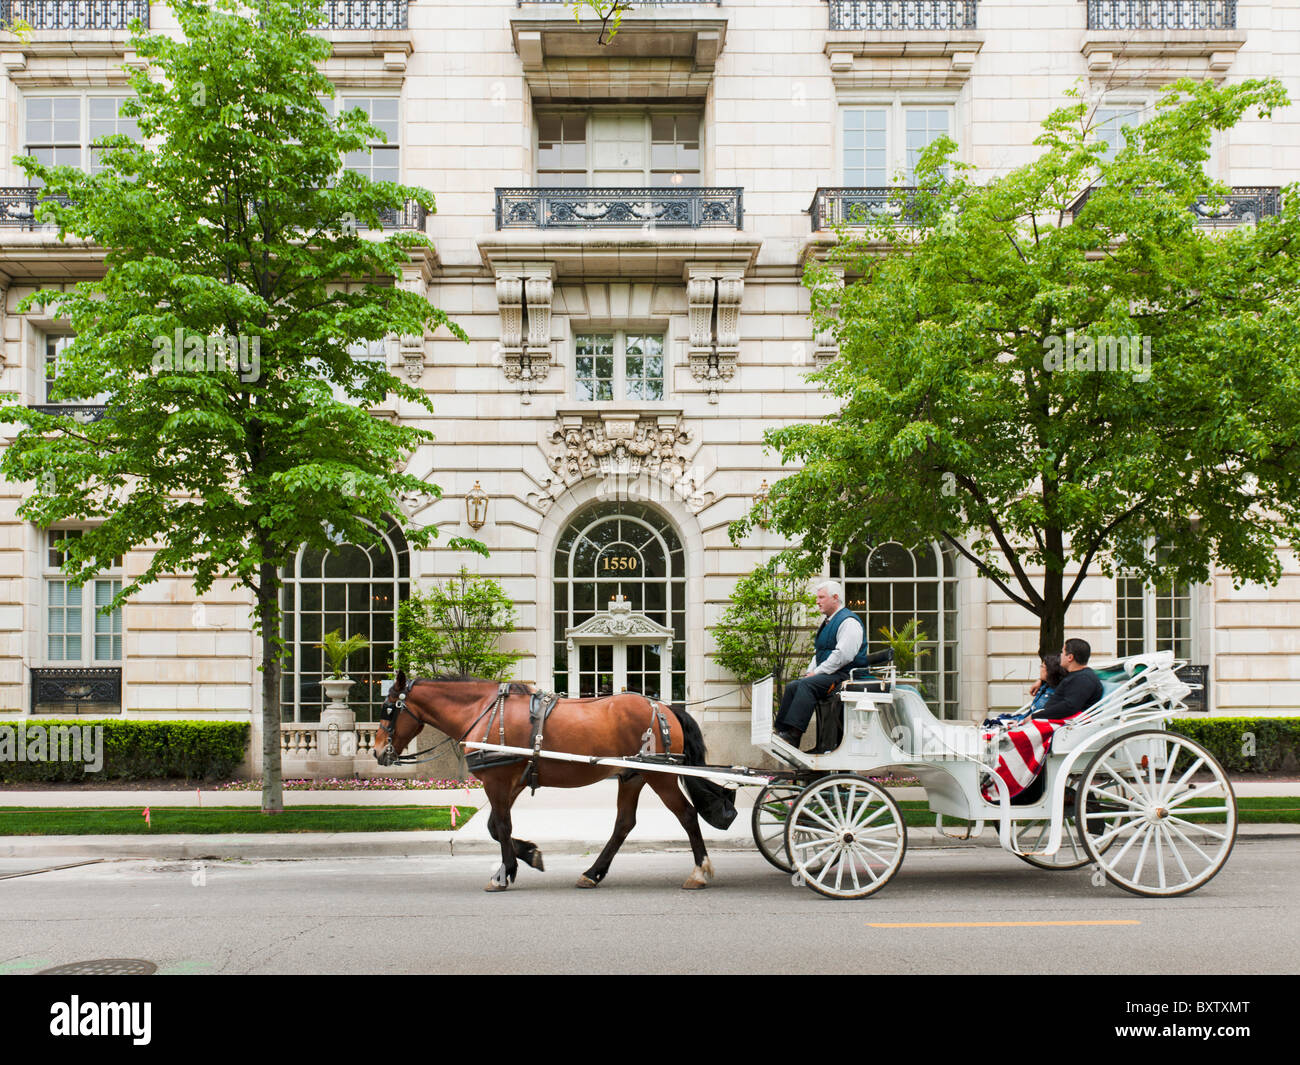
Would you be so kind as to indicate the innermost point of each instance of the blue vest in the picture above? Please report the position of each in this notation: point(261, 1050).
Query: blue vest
point(825, 642)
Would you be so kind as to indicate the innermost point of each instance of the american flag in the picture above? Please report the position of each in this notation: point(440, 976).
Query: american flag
point(1021, 753)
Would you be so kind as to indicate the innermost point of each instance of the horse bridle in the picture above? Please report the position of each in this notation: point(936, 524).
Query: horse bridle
point(398, 707)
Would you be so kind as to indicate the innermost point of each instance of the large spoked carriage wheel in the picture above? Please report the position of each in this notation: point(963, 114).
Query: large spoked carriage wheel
point(1159, 816)
point(771, 812)
point(845, 836)
point(1033, 836)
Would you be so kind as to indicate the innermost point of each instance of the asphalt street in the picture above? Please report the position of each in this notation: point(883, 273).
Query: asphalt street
point(430, 915)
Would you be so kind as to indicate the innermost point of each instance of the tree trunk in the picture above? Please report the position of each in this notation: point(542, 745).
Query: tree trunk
point(268, 601)
point(1051, 623)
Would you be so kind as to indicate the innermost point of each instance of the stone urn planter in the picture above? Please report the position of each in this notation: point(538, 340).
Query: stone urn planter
point(336, 743)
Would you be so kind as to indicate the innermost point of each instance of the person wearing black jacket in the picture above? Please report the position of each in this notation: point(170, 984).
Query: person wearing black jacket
point(1080, 688)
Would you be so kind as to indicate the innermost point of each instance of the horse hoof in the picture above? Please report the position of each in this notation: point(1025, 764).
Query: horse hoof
point(694, 881)
point(493, 885)
point(585, 881)
point(535, 860)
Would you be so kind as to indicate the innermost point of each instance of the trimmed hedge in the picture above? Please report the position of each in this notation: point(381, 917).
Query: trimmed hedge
point(1246, 744)
point(132, 750)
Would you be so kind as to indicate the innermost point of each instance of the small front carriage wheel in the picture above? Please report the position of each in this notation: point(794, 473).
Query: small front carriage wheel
point(771, 812)
point(845, 836)
point(1157, 813)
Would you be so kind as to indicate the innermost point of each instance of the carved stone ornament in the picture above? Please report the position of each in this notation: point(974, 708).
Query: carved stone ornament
point(713, 304)
point(622, 624)
point(618, 444)
point(524, 295)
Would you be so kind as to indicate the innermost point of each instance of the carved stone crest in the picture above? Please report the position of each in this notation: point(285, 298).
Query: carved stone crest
point(618, 444)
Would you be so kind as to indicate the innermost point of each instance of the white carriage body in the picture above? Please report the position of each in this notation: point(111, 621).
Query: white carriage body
point(895, 730)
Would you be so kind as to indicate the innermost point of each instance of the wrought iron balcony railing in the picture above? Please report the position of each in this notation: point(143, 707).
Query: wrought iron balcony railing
point(1244, 205)
point(887, 203)
point(96, 690)
point(18, 205)
point(1162, 14)
point(18, 210)
point(670, 207)
point(364, 15)
point(903, 14)
point(82, 412)
point(76, 14)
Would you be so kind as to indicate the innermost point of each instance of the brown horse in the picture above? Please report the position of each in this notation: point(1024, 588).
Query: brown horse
point(611, 727)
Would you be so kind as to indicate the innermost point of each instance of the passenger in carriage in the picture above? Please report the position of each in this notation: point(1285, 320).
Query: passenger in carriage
point(1078, 689)
point(1050, 675)
point(840, 646)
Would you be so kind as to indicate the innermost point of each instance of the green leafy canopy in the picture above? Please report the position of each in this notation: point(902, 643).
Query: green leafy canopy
point(230, 218)
point(955, 422)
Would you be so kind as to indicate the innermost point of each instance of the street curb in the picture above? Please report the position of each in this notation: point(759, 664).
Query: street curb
point(290, 847)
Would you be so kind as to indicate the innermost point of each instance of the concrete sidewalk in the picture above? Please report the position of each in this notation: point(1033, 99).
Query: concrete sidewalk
point(576, 821)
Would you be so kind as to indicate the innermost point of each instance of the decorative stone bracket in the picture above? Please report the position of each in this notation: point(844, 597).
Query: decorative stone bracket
point(713, 300)
point(524, 295)
point(825, 347)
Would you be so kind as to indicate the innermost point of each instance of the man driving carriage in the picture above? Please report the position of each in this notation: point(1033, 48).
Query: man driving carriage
point(840, 646)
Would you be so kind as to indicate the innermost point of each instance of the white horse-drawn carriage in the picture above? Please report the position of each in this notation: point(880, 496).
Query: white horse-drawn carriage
point(1151, 809)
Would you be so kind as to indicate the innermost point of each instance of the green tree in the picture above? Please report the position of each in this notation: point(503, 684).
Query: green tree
point(962, 415)
point(610, 13)
point(456, 628)
point(230, 221)
point(767, 627)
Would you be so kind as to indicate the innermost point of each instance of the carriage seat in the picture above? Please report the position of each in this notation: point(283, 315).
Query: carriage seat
point(830, 711)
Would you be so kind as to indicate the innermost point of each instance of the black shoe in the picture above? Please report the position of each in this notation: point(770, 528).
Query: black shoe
point(789, 736)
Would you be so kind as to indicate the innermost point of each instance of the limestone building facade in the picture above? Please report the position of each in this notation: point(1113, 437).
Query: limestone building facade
point(621, 229)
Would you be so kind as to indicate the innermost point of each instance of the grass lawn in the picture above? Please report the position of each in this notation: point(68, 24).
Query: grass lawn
point(119, 820)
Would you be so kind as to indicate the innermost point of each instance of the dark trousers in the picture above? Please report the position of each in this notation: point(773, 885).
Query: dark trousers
point(800, 699)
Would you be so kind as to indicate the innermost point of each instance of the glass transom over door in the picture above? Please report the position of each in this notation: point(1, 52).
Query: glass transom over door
point(612, 560)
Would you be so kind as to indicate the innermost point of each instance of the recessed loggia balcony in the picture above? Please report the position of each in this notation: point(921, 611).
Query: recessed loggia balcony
point(649, 208)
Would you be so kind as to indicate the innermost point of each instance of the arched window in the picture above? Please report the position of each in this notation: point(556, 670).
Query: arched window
point(352, 588)
point(889, 585)
point(611, 550)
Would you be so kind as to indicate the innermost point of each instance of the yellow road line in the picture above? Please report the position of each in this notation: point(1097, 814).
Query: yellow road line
point(1000, 924)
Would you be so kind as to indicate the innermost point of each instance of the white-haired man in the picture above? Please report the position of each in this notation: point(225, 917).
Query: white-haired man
point(840, 646)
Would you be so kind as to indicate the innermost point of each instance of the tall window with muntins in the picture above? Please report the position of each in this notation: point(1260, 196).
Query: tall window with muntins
point(1151, 618)
point(382, 160)
point(883, 142)
point(888, 585)
point(622, 366)
point(652, 147)
point(76, 632)
point(354, 589)
point(605, 551)
point(1109, 123)
point(67, 130)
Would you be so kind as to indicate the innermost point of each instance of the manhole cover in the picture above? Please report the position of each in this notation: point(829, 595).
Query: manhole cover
point(103, 967)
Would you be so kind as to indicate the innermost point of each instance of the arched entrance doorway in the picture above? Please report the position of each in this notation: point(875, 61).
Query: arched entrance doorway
point(620, 603)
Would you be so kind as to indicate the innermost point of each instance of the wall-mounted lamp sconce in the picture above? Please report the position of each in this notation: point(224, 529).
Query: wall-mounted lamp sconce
point(761, 505)
point(476, 501)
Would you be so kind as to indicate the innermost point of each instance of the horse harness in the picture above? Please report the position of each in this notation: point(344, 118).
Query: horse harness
point(540, 705)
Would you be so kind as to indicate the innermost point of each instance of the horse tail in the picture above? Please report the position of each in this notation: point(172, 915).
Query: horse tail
point(713, 802)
